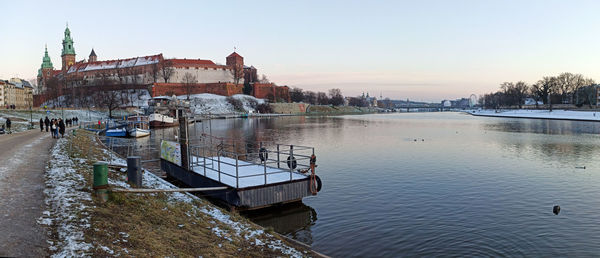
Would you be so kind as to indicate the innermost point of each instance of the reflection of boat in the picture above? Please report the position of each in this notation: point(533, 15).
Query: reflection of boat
point(116, 132)
point(137, 126)
point(160, 120)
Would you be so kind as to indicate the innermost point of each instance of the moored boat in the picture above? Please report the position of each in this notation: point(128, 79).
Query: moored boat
point(138, 126)
point(160, 120)
point(116, 132)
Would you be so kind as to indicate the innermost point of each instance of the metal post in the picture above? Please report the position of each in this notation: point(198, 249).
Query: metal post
point(237, 175)
point(134, 171)
point(291, 160)
point(265, 166)
point(219, 164)
point(204, 157)
point(278, 156)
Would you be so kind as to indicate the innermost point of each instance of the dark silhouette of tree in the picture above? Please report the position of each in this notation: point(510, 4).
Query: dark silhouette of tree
point(335, 97)
point(166, 70)
point(189, 81)
point(296, 95)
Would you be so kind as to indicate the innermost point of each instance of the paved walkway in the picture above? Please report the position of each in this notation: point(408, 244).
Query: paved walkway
point(23, 159)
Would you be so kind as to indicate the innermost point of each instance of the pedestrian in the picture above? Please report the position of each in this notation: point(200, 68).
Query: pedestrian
point(47, 123)
point(41, 125)
point(53, 128)
point(8, 125)
point(61, 128)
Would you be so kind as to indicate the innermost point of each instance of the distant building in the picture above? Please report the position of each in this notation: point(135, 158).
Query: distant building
point(153, 72)
point(17, 92)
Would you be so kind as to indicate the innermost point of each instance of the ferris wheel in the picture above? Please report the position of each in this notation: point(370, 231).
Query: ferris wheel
point(472, 100)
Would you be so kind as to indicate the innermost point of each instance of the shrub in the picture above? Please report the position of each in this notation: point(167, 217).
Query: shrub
point(264, 108)
point(236, 103)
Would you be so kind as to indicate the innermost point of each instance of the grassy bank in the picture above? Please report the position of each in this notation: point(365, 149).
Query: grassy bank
point(158, 224)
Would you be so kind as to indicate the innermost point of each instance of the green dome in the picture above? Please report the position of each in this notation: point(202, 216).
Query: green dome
point(46, 62)
point(68, 48)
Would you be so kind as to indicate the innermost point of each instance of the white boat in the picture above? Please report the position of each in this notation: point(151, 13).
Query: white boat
point(138, 126)
point(160, 120)
point(138, 132)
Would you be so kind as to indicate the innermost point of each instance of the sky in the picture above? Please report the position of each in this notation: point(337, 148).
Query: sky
point(422, 50)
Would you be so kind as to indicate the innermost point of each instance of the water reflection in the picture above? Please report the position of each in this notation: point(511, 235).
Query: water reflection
point(293, 220)
point(470, 186)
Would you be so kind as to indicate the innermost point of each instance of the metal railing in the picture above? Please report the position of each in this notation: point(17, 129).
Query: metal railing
point(211, 153)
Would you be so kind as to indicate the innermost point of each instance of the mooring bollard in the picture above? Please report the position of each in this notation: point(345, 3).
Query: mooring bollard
point(101, 180)
point(134, 171)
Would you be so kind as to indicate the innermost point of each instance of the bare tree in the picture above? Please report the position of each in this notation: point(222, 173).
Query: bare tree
point(310, 97)
point(166, 70)
point(188, 81)
point(565, 85)
point(548, 86)
point(335, 97)
point(520, 92)
point(237, 71)
point(154, 72)
point(322, 98)
point(296, 95)
point(264, 79)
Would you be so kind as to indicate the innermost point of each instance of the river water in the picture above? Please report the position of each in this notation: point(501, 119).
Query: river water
point(437, 184)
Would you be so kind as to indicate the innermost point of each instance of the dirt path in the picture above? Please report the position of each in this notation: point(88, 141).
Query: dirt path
point(23, 159)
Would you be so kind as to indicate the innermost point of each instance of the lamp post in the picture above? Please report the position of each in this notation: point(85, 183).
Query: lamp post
point(30, 110)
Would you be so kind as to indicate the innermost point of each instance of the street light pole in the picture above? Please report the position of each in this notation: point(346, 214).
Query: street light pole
point(30, 110)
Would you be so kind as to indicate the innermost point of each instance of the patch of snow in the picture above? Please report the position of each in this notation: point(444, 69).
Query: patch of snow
point(66, 203)
point(545, 114)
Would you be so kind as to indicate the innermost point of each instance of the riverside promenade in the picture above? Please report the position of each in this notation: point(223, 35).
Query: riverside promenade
point(23, 159)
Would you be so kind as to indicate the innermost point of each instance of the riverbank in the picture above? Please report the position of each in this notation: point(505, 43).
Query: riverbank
point(540, 114)
point(157, 224)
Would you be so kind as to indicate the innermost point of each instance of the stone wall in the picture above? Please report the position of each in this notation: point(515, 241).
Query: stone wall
point(224, 89)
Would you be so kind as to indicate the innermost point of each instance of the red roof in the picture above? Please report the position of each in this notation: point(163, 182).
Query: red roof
point(181, 63)
point(189, 62)
point(234, 54)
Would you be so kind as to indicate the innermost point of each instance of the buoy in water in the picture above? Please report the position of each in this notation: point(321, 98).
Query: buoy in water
point(580, 167)
point(556, 209)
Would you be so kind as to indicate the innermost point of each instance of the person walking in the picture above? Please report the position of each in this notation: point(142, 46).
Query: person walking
point(61, 128)
point(8, 125)
point(47, 123)
point(53, 128)
point(41, 125)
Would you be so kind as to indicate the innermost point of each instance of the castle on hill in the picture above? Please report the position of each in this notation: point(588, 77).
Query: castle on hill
point(160, 76)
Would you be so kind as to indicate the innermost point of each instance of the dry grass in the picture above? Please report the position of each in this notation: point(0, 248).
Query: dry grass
point(153, 225)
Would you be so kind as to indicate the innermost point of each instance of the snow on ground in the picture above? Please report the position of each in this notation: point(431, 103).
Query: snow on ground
point(545, 114)
point(240, 229)
point(66, 200)
point(207, 103)
point(131, 98)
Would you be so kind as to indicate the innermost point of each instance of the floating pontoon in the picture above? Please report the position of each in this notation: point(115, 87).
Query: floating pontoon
point(257, 174)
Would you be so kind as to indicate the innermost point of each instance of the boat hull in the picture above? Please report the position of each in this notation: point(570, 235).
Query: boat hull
point(138, 132)
point(116, 133)
point(155, 124)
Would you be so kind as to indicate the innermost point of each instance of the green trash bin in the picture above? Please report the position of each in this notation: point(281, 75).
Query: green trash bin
point(101, 180)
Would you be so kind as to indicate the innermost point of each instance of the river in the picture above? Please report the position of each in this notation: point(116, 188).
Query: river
point(437, 184)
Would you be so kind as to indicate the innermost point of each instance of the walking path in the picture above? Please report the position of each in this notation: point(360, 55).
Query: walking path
point(23, 159)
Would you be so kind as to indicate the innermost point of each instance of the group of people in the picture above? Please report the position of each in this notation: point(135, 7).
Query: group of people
point(57, 126)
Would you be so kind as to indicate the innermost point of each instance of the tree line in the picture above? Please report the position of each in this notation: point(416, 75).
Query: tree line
point(334, 97)
point(566, 88)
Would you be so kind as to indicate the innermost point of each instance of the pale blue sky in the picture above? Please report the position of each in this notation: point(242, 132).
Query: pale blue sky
point(422, 50)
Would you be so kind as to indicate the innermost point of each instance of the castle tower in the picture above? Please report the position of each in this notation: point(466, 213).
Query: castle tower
point(93, 57)
point(45, 71)
point(68, 51)
point(236, 62)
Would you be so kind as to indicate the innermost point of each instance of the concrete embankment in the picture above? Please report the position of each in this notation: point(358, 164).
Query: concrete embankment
point(307, 109)
point(540, 114)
